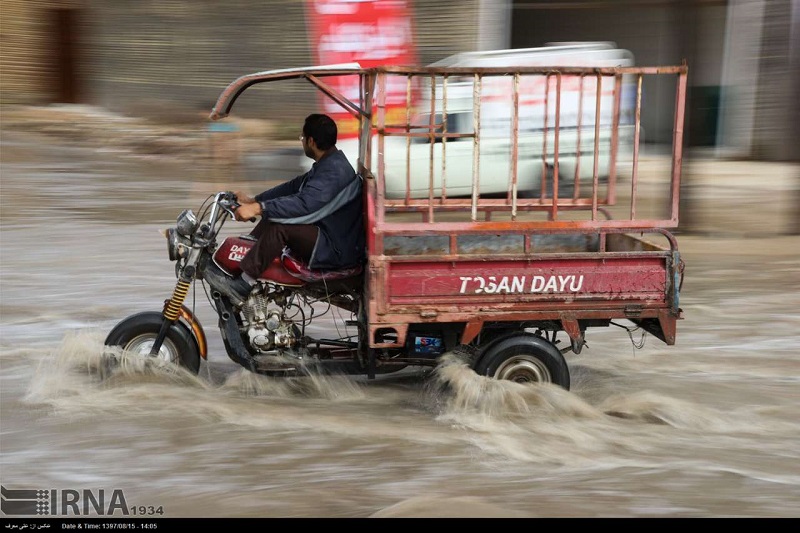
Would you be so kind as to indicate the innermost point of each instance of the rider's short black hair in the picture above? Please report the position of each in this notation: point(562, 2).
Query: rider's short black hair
point(322, 129)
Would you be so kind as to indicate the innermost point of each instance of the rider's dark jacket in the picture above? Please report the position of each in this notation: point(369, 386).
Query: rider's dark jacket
point(328, 196)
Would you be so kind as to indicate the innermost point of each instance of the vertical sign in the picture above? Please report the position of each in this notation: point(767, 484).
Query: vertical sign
point(369, 32)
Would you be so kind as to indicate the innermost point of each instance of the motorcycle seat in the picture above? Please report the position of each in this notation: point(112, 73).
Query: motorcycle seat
point(299, 269)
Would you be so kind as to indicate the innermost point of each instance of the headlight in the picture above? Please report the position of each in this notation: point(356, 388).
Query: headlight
point(187, 223)
point(177, 246)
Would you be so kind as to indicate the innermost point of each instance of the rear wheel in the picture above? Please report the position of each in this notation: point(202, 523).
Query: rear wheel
point(524, 359)
point(137, 333)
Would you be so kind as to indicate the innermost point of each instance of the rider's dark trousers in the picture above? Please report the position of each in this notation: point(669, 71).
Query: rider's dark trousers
point(272, 237)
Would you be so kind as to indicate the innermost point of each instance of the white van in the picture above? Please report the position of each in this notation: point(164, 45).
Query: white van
point(496, 110)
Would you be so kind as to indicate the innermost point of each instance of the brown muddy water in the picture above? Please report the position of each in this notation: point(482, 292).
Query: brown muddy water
point(709, 427)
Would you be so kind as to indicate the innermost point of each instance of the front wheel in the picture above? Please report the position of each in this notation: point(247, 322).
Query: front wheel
point(137, 333)
point(524, 358)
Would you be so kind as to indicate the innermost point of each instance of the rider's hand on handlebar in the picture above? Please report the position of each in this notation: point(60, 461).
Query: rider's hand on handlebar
point(248, 211)
point(243, 197)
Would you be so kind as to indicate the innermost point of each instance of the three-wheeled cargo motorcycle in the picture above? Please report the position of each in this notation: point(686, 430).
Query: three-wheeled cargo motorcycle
point(497, 277)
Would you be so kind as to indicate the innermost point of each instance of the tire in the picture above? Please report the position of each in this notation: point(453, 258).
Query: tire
point(490, 336)
point(524, 358)
point(566, 187)
point(535, 190)
point(137, 333)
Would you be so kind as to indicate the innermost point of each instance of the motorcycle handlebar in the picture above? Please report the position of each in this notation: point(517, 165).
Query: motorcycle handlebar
point(231, 204)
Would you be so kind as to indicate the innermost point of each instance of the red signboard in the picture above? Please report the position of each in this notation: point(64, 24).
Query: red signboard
point(369, 32)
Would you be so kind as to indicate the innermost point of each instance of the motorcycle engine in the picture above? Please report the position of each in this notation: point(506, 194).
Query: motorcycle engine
point(265, 328)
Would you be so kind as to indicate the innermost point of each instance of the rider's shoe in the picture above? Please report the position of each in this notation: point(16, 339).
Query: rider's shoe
point(236, 289)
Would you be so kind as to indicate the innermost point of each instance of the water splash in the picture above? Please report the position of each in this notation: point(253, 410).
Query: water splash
point(471, 393)
point(534, 423)
point(333, 388)
point(82, 355)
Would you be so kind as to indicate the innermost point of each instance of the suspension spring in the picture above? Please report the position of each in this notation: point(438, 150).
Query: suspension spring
point(173, 307)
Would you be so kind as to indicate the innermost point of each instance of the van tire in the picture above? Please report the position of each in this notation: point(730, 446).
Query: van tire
point(566, 188)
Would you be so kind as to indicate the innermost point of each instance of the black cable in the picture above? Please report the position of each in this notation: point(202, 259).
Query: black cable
point(631, 331)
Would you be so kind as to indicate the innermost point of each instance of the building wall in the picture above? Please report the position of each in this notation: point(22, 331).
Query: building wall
point(27, 61)
point(170, 57)
point(167, 57)
point(777, 101)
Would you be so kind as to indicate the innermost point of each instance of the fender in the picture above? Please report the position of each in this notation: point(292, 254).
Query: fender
point(190, 321)
point(197, 329)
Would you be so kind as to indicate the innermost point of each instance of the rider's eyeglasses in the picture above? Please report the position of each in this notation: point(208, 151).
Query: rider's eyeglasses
point(302, 137)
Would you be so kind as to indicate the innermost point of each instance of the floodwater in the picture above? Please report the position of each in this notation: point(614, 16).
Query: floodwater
point(709, 427)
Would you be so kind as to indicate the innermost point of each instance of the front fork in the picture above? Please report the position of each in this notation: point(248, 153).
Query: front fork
point(172, 308)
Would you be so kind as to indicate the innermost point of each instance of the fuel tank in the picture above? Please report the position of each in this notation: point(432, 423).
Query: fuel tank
point(233, 249)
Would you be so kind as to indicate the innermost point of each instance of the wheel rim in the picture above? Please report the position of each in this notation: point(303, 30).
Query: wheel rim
point(143, 344)
point(524, 369)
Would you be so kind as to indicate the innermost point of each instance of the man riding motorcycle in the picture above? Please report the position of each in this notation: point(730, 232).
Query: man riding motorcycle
point(317, 215)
